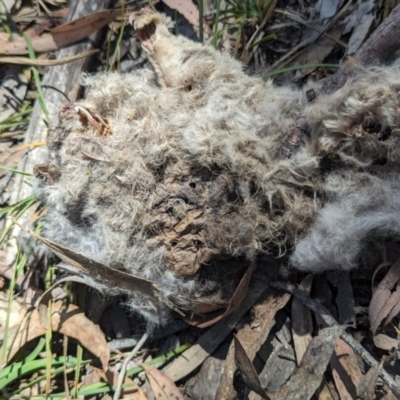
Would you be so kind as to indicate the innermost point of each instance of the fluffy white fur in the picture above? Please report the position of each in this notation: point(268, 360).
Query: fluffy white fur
point(174, 174)
point(356, 213)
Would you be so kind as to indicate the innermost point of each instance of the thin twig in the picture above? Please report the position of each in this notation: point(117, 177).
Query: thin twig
point(300, 20)
point(121, 377)
point(330, 321)
point(45, 63)
point(246, 58)
point(306, 42)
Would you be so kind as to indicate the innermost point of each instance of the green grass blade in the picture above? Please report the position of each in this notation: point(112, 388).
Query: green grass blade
point(36, 350)
point(216, 22)
point(103, 387)
point(16, 210)
point(272, 36)
point(201, 21)
point(16, 171)
point(16, 371)
point(36, 78)
point(17, 270)
point(297, 67)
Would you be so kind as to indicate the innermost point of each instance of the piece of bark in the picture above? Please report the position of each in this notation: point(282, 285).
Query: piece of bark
point(204, 384)
point(60, 84)
point(192, 358)
point(280, 365)
point(306, 379)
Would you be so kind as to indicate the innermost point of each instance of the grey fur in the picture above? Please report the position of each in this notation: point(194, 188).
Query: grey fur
point(173, 174)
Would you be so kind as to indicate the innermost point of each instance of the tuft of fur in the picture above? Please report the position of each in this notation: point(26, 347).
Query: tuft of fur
point(174, 174)
point(360, 207)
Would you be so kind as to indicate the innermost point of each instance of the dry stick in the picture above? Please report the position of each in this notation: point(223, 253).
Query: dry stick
point(306, 42)
point(60, 84)
point(330, 321)
point(300, 20)
point(121, 377)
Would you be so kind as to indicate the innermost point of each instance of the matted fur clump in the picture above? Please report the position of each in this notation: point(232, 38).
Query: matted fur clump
point(174, 174)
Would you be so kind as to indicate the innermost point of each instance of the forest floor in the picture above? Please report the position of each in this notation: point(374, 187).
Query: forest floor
point(344, 326)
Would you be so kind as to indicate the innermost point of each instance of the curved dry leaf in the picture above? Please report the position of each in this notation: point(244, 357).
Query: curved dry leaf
point(192, 358)
point(163, 387)
point(189, 10)
point(78, 263)
point(308, 377)
point(234, 303)
point(385, 342)
point(29, 329)
point(249, 374)
point(63, 35)
point(348, 360)
point(263, 316)
point(340, 377)
point(302, 323)
point(71, 322)
point(383, 300)
point(138, 395)
point(327, 392)
point(366, 388)
point(394, 304)
point(345, 370)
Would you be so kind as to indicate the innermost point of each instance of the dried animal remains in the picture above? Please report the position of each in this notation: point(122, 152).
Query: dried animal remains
point(180, 174)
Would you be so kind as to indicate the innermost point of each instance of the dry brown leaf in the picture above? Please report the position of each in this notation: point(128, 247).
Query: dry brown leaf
point(234, 303)
point(204, 384)
point(366, 387)
point(248, 373)
point(349, 361)
point(340, 382)
point(29, 329)
point(385, 342)
point(394, 304)
point(306, 379)
point(92, 377)
point(138, 395)
point(360, 33)
point(325, 393)
point(61, 36)
point(70, 322)
point(317, 52)
point(192, 358)
point(383, 300)
point(163, 387)
point(132, 392)
point(73, 323)
point(252, 336)
point(345, 370)
point(78, 263)
point(189, 10)
point(302, 323)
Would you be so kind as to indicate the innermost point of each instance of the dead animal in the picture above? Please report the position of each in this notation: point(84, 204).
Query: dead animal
point(180, 174)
